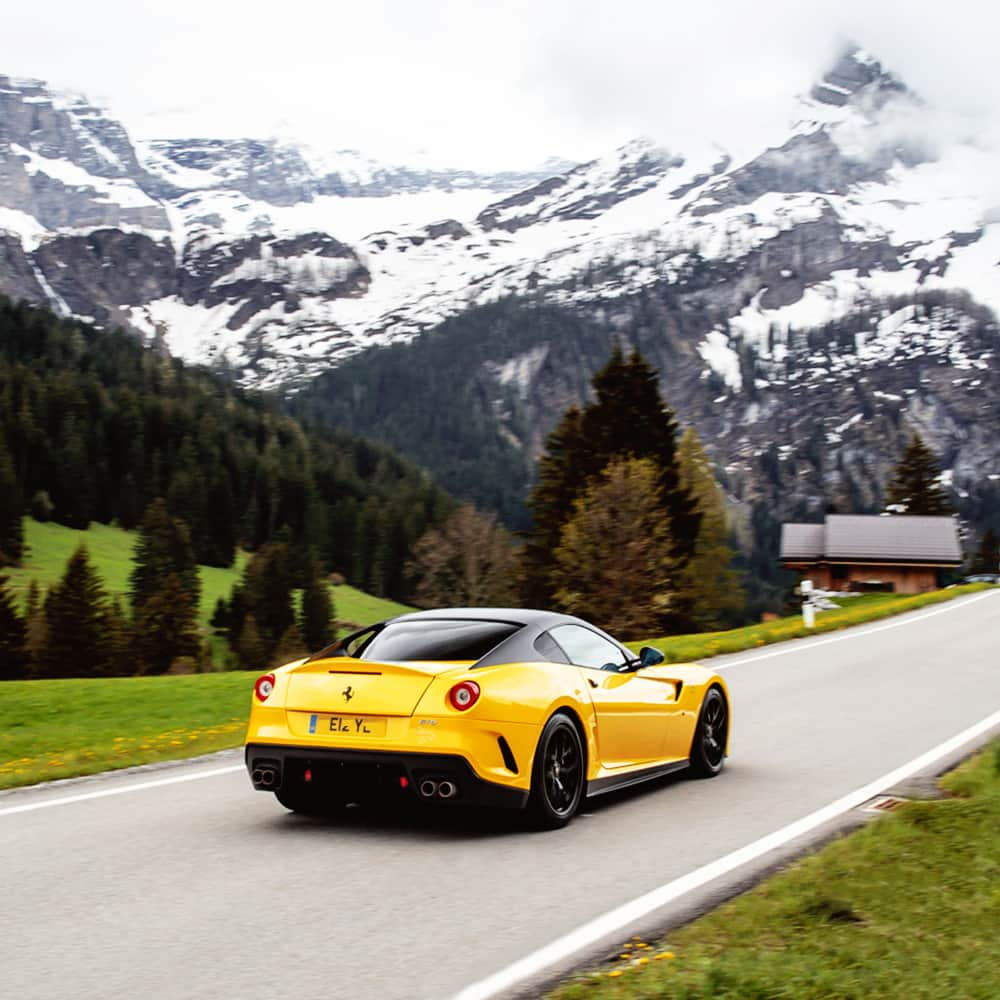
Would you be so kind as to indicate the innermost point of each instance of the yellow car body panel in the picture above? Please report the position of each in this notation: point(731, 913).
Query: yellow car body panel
point(630, 722)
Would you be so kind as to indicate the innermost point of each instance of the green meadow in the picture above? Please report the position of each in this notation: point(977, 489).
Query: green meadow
point(110, 549)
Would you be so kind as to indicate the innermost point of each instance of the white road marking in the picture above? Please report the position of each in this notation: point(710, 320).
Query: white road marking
point(103, 793)
point(853, 632)
point(615, 920)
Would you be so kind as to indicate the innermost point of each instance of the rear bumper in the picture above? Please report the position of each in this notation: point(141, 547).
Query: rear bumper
point(377, 771)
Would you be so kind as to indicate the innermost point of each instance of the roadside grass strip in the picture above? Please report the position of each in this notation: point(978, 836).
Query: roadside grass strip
point(67, 728)
point(853, 611)
point(908, 907)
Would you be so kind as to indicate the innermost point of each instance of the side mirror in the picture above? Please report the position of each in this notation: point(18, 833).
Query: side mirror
point(649, 656)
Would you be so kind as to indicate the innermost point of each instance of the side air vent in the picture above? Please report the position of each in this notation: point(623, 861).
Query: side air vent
point(507, 754)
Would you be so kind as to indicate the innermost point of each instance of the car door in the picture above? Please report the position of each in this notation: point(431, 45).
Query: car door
point(631, 708)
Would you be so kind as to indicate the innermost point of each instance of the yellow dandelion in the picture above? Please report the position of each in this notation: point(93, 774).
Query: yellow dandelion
point(643, 961)
point(665, 954)
point(615, 972)
point(626, 955)
point(176, 743)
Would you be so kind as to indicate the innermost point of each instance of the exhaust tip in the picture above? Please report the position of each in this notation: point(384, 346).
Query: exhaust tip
point(447, 789)
point(428, 788)
point(264, 777)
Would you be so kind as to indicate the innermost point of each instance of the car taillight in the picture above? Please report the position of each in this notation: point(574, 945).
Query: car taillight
point(464, 695)
point(264, 687)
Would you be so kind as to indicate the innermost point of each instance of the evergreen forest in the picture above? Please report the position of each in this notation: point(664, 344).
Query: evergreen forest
point(95, 427)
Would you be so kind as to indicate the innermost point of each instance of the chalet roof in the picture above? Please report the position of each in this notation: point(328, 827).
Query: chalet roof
point(873, 538)
point(802, 541)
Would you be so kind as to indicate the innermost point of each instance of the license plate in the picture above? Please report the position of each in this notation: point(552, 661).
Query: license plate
point(358, 726)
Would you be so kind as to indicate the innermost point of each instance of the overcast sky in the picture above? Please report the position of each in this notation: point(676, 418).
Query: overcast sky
point(489, 84)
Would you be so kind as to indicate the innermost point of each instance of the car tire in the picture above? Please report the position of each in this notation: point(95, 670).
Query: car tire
point(557, 775)
point(711, 734)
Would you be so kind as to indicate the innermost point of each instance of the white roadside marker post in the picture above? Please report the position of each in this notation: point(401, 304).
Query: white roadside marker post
point(808, 609)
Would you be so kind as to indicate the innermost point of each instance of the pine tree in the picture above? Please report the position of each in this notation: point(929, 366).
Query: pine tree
point(253, 651)
point(163, 547)
point(468, 561)
point(707, 588)
point(614, 564)
point(288, 647)
point(316, 619)
point(915, 487)
point(166, 628)
point(987, 557)
point(627, 419)
point(120, 635)
point(220, 615)
point(261, 610)
point(11, 513)
point(76, 642)
point(35, 631)
point(12, 654)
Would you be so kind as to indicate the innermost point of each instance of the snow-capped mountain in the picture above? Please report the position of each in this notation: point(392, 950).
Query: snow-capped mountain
point(279, 260)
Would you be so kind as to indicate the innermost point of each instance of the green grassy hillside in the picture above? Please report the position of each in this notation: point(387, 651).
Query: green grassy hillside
point(110, 548)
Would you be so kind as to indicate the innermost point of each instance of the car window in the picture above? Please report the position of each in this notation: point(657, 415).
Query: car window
point(588, 649)
point(549, 649)
point(436, 639)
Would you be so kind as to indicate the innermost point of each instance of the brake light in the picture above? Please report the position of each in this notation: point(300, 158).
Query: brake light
point(464, 695)
point(264, 687)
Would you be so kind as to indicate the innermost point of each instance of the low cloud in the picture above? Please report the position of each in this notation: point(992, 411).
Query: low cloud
point(473, 81)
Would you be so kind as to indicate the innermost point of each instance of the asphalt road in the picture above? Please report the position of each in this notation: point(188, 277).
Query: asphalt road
point(202, 888)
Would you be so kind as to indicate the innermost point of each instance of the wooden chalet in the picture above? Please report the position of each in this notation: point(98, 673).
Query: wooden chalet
point(854, 552)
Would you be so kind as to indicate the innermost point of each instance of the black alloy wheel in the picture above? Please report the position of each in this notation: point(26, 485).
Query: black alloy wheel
point(708, 751)
point(557, 776)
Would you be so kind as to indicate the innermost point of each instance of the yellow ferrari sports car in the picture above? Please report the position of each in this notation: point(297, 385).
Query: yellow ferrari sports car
point(492, 706)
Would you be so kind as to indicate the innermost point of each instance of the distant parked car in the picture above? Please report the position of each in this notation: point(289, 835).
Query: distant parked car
point(982, 578)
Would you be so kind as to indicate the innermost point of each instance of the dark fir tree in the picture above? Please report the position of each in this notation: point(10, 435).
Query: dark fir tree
point(264, 599)
point(121, 641)
point(34, 631)
point(163, 547)
point(915, 487)
point(12, 652)
point(77, 637)
point(220, 615)
point(316, 619)
point(252, 650)
point(987, 557)
point(11, 514)
point(627, 419)
point(166, 628)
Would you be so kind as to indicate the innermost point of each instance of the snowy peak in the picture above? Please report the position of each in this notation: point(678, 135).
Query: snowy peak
point(284, 173)
point(278, 259)
point(65, 164)
point(584, 192)
point(857, 77)
point(64, 127)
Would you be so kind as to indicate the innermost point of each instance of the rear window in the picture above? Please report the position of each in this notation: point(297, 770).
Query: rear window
point(436, 639)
